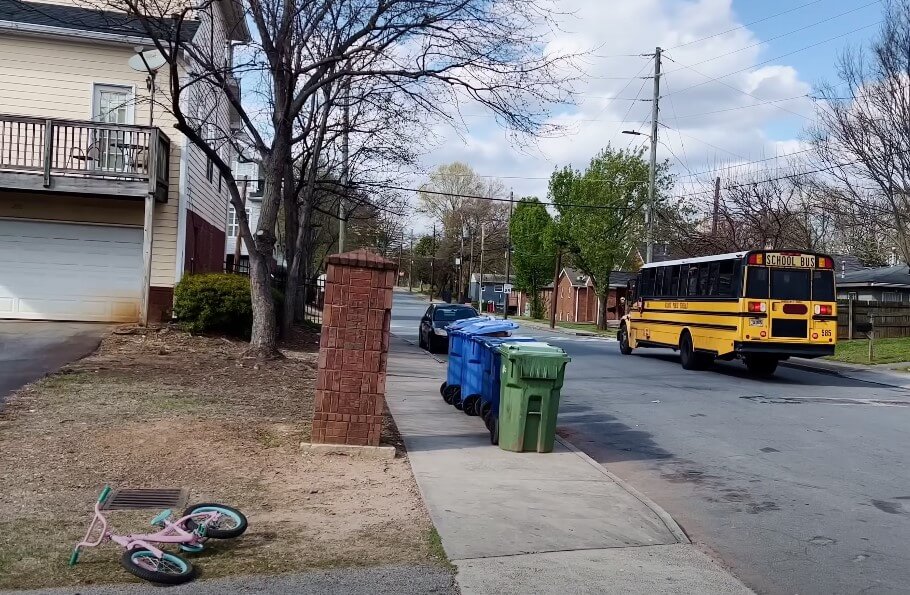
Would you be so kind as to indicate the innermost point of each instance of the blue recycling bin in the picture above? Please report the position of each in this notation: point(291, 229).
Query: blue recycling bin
point(456, 341)
point(460, 351)
point(476, 372)
point(488, 408)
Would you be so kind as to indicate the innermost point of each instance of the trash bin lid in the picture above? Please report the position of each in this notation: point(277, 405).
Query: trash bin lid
point(533, 349)
point(489, 327)
point(459, 324)
point(496, 341)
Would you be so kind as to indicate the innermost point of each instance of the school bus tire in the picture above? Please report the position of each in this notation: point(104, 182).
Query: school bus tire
point(623, 336)
point(688, 357)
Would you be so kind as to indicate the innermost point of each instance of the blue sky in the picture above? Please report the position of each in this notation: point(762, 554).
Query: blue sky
point(712, 124)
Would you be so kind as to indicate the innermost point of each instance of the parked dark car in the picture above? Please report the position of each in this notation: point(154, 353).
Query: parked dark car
point(432, 334)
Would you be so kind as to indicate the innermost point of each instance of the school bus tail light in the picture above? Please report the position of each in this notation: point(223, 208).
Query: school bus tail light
point(758, 307)
point(824, 309)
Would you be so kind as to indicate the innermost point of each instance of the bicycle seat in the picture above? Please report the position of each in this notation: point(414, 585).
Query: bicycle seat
point(162, 516)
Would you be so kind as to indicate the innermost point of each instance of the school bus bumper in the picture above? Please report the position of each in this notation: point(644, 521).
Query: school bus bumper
point(806, 350)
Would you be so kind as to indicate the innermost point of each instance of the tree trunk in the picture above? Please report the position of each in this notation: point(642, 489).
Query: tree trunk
point(602, 311)
point(264, 335)
point(263, 339)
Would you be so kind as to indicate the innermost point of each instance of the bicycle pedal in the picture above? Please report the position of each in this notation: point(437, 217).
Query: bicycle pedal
point(191, 549)
point(162, 516)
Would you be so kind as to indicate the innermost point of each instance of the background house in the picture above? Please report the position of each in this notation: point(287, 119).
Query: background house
point(577, 299)
point(103, 205)
point(250, 185)
point(886, 284)
point(492, 292)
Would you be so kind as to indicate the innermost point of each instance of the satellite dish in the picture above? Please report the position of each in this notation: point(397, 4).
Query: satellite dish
point(151, 60)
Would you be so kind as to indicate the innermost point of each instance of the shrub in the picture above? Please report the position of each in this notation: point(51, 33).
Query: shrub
point(214, 302)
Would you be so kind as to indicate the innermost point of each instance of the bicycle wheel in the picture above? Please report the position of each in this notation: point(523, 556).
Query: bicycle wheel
point(169, 569)
point(231, 524)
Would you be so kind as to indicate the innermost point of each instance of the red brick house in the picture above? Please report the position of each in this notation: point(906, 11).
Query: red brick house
point(577, 300)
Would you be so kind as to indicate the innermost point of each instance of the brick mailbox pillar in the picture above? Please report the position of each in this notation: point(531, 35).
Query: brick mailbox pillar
point(350, 384)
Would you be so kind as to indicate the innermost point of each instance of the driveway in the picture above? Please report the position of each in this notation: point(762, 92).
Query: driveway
point(30, 350)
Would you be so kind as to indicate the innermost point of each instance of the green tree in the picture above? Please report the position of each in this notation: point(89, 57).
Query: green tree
point(601, 213)
point(532, 230)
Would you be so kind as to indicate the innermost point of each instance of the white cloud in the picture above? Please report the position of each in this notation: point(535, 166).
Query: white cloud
point(712, 112)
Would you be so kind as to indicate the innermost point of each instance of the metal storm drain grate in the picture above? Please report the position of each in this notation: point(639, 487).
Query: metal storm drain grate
point(128, 499)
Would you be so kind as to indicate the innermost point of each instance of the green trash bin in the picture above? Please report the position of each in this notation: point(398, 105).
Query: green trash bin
point(531, 380)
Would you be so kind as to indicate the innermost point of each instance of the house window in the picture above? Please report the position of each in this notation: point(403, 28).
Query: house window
point(891, 296)
point(233, 229)
point(497, 288)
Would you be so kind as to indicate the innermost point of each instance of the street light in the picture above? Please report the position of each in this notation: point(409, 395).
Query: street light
point(649, 236)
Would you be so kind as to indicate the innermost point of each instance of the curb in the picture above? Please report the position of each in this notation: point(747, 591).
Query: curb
point(662, 514)
point(563, 331)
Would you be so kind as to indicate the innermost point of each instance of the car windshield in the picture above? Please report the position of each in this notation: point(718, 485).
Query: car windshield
point(453, 313)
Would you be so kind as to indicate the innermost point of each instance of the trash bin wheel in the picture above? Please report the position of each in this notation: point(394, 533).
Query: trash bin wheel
point(450, 393)
point(458, 403)
point(486, 412)
point(470, 404)
point(442, 389)
point(494, 430)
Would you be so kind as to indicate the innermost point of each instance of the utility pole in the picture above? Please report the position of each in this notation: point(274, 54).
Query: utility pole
point(398, 271)
point(555, 295)
point(507, 296)
point(716, 206)
point(467, 280)
point(655, 111)
point(458, 286)
point(345, 174)
point(480, 272)
point(433, 263)
point(411, 263)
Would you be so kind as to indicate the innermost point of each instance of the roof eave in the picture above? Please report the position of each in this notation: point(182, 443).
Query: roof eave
point(32, 30)
point(238, 31)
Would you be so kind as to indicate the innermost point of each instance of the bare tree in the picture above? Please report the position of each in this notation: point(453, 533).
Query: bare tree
point(862, 138)
point(758, 209)
point(435, 53)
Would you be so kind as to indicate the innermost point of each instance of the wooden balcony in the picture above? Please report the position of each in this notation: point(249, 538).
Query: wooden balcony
point(83, 157)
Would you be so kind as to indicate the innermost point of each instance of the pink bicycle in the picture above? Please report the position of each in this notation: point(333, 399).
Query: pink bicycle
point(142, 558)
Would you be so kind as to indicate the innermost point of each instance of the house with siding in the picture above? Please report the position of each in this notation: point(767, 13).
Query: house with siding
point(104, 206)
point(250, 186)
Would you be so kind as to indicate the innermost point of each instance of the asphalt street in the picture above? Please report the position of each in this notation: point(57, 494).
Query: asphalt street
point(799, 484)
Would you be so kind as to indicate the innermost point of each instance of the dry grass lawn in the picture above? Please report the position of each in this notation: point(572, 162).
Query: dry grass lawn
point(168, 409)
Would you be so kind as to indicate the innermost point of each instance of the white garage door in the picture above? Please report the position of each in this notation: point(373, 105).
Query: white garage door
point(67, 271)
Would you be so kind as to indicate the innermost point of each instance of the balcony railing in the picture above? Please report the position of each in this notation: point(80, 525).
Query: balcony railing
point(82, 156)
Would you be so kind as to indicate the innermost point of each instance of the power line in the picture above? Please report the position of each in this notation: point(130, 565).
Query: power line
point(728, 85)
point(774, 59)
point(491, 198)
point(704, 142)
point(626, 86)
point(676, 117)
point(743, 26)
point(764, 41)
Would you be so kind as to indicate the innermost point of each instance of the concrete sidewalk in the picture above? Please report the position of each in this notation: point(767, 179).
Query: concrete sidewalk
point(879, 374)
point(534, 523)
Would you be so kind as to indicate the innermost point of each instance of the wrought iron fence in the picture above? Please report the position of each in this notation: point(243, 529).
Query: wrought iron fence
point(310, 294)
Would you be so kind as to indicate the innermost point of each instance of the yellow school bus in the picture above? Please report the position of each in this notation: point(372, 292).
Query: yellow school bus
point(760, 306)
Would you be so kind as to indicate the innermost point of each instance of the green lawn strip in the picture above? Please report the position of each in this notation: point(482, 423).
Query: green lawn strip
point(886, 351)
